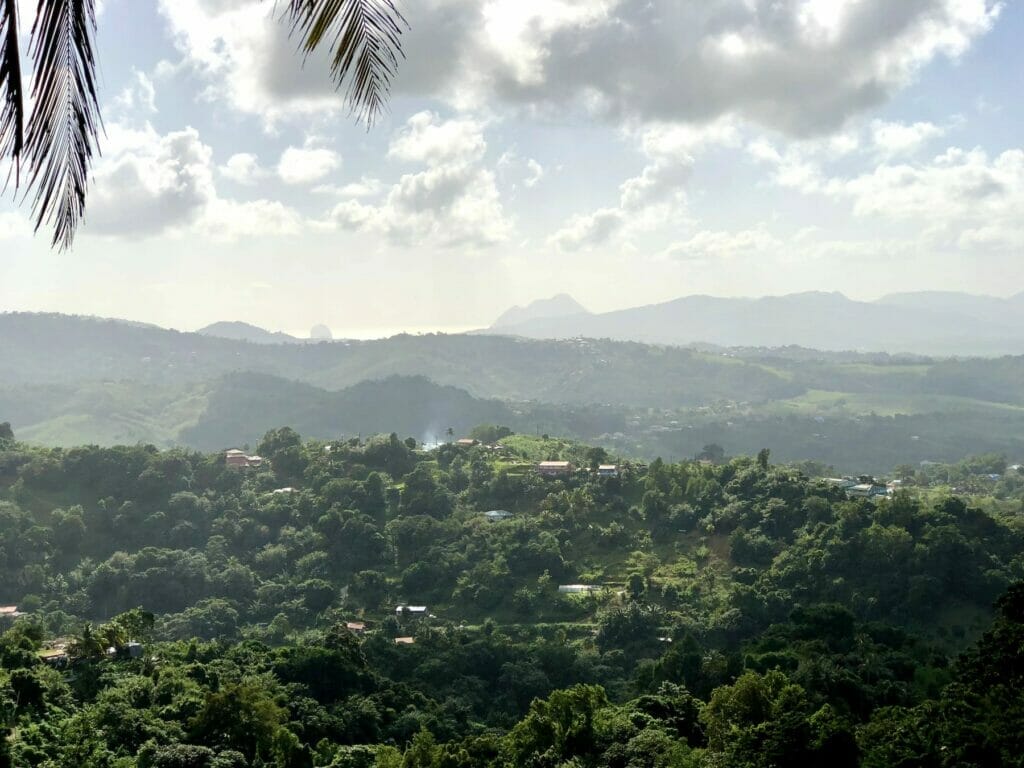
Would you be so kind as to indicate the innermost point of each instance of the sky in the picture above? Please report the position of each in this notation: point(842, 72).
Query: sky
point(623, 151)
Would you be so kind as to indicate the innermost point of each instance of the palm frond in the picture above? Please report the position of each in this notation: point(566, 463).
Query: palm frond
point(365, 41)
point(12, 98)
point(63, 130)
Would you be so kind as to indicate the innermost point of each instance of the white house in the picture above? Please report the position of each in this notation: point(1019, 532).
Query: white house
point(577, 589)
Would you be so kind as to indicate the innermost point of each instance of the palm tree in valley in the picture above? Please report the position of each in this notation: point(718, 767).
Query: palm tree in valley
point(52, 144)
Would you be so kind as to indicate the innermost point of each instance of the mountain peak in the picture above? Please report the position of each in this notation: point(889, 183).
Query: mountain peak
point(239, 331)
point(559, 305)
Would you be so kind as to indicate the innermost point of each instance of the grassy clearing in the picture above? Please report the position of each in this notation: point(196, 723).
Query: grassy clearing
point(825, 402)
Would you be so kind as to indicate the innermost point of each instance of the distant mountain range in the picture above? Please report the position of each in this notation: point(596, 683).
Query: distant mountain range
point(934, 323)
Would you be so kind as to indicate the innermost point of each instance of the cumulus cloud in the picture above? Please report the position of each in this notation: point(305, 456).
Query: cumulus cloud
point(429, 140)
point(893, 139)
point(229, 220)
point(799, 66)
point(657, 195)
point(585, 231)
point(536, 173)
point(304, 165)
point(139, 96)
point(242, 168)
point(453, 201)
point(14, 226)
point(962, 197)
point(367, 186)
point(716, 245)
point(151, 184)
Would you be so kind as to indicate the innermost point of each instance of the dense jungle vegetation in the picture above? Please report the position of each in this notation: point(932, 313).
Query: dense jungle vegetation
point(175, 612)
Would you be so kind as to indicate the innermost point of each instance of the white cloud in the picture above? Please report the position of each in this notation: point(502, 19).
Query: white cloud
point(588, 230)
point(242, 168)
point(536, 173)
point(453, 202)
point(306, 165)
point(229, 220)
point(14, 226)
point(800, 66)
point(717, 245)
point(150, 184)
point(367, 186)
point(139, 96)
point(429, 140)
point(961, 198)
point(657, 196)
point(894, 139)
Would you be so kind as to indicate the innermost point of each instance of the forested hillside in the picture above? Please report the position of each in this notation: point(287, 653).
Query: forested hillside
point(167, 610)
point(73, 380)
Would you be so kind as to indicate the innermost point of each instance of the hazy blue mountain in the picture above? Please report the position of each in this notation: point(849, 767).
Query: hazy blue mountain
point(827, 321)
point(992, 309)
point(239, 331)
point(561, 305)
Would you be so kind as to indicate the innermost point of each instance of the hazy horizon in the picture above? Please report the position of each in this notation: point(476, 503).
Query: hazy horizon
point(371, 331)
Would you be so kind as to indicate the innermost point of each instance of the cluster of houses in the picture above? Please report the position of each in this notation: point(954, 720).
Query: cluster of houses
point(563, 468)
point(469, 442)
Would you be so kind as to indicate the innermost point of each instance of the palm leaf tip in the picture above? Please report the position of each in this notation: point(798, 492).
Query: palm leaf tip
point(365, 38)
point(12, 98)
point(63, 130)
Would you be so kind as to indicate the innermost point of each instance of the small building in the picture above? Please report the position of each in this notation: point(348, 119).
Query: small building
point(134, 650)
point(577, 589)
point(412, 611)
point(467, 442)
point(866, 491)
point(893, 486)
point(497, 515)
point(405, 641)
point(241, 460)
point(608, 470)
point(10, 612)
point(283, 490)
point(356, 627)
point(554, 468)
point(54, 656)
point(841, 482)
